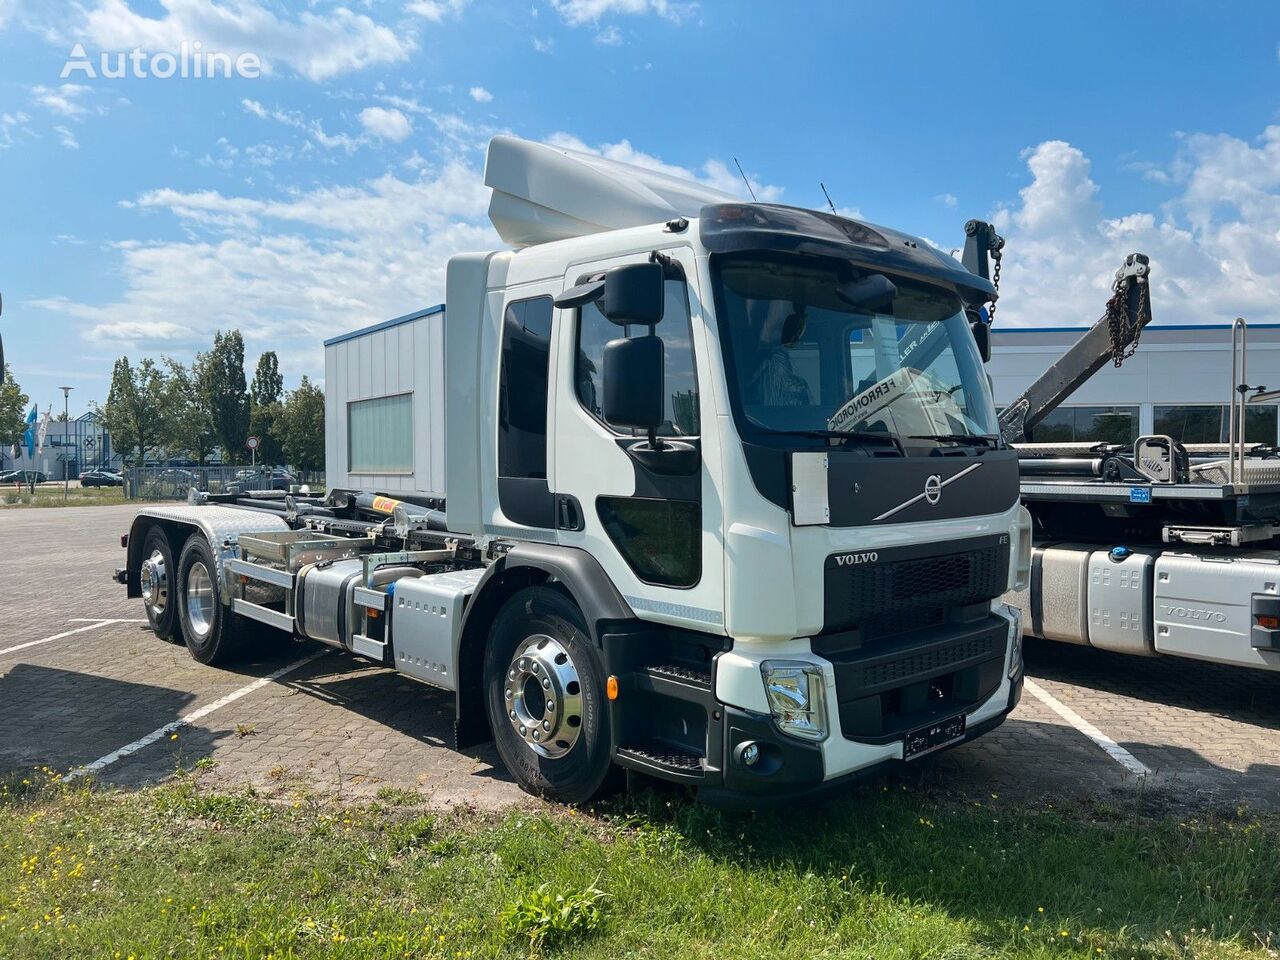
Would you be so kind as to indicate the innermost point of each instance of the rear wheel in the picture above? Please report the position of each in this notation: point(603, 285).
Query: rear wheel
point(156, 579)
point(544, 691)
point(212, 632)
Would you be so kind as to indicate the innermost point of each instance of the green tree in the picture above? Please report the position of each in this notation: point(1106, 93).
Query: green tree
point(268, 384)
point(135, 411)
point(13, 410)
point(302, 421)
point(226, 394)
point(265, 396)
point(188, 426)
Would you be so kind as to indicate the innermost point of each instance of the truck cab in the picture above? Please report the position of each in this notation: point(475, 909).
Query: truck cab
point(723, 499)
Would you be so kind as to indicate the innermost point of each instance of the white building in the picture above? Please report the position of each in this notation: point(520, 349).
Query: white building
point(1178, 383)
point(379, 382)
point(83, 444)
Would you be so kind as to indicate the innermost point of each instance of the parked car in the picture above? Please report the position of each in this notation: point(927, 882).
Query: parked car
point(23, 476)
point(101, 478)
point(262, 478)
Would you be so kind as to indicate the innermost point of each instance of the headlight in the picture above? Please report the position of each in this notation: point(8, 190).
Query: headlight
point(797, 693)
point(1022, 572)
point(1015, 655)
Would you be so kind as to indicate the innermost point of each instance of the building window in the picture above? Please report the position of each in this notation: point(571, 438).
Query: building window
point(380, 435)
point(1088, 425)
point(680, 381)
point(1210, 423)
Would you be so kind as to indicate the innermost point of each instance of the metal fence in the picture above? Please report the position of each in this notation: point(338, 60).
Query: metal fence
point(173, 483)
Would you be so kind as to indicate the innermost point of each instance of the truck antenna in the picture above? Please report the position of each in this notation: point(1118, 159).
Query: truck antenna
point(828, 196)
point(744, 178)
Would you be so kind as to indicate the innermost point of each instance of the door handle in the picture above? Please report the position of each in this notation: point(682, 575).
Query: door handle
point(568, 513)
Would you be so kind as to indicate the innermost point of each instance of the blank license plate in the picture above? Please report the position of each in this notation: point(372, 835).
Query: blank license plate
point(927, 739)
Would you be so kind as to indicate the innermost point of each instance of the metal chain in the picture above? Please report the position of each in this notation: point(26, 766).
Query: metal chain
point(1119, 324)
point(996, 255)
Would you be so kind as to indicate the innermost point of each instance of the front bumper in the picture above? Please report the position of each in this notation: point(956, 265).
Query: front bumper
point(711, 721)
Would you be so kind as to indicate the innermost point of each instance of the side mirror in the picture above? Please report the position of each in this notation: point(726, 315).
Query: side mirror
point(633, 383)
point(634, 294)
point(982, 337)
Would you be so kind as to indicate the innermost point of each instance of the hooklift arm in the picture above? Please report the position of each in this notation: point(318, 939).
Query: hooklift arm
point(1114, 337)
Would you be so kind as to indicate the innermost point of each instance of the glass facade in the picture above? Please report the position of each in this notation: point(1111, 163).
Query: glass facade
point(1089, 424)
point(1209, 423)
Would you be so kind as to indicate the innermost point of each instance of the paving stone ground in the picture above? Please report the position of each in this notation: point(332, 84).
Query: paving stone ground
point(1210, 735)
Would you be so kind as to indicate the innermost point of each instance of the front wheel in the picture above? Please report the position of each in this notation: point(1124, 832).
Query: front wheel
point(544, 691)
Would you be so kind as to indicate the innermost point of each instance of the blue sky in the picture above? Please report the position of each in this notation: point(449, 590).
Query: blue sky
point(142, 214)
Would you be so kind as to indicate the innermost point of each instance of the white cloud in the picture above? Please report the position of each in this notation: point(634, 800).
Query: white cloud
point(579, 12)
point(436, 10)
point(949, 200)
point(312, 128)
point(66, 99)
point(481, 95)
point(289, 271)
point(543, 44)
point(610, 36)
point(67, 138)
point(386, 124)
point(316, 45)
point(1212, 243)
point(714, 173)
point(12, 124)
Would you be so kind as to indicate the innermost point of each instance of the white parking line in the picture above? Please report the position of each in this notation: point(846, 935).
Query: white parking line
point(66, 633)
point(188, 719)
point(1116, 752)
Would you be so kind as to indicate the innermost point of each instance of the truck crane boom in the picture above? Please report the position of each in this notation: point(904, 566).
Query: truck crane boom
point(1113, 337)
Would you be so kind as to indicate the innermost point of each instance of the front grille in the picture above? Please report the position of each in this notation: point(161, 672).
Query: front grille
point(905, 580)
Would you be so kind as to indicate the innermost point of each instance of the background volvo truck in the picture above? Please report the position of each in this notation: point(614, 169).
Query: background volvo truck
point(703, 489)
point(1159, 548)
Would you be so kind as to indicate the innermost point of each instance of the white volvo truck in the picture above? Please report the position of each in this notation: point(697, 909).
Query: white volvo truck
point(702, 489)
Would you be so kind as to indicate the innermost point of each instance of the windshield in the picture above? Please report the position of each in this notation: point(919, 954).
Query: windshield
point(816, 346)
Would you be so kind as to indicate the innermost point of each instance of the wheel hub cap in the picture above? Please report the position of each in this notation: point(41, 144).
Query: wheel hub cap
point(199, 599)
point(544, 696)
point(154, 582)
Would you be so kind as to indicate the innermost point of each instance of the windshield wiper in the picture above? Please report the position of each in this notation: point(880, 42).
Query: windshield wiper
point(973, 439)
point(868, 436)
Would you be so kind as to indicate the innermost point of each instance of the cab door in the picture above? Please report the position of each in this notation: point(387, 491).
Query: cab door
point(651, 518)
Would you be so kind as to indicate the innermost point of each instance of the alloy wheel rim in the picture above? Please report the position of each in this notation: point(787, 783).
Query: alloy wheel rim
point(154, 581)
point(542, 695)
point(199, 599)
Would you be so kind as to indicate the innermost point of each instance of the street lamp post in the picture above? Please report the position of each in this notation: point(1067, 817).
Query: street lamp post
point(66, 427)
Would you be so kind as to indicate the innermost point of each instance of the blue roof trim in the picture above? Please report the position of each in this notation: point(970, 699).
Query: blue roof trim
point(385, 325)
point(1000, 331)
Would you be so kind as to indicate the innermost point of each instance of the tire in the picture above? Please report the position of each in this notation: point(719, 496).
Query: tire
point(159, 597)
point(213, 634)
point(539, 644)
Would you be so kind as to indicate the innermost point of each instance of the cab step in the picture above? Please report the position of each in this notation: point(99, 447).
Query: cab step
point(670, 762)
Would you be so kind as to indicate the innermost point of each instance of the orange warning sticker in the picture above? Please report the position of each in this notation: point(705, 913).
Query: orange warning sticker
point(384, 504)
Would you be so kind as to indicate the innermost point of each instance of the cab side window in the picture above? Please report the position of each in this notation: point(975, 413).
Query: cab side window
point(680, 380)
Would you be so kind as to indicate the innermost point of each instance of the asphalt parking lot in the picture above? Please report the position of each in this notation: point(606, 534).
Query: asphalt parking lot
point(83, 682)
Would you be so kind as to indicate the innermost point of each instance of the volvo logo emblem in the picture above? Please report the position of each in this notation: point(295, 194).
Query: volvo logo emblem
point(933, 489)
point(932, 492)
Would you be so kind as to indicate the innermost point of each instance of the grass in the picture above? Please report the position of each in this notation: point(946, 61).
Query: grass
point(50, 495)
point(174, 872)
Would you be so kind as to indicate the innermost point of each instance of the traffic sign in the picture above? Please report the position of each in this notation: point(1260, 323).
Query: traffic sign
point(252, 443)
